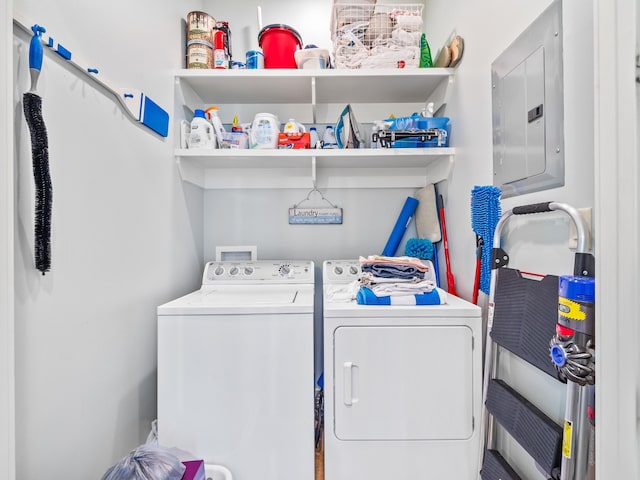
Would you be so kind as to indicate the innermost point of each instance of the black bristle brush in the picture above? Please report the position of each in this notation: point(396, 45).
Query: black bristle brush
point(32, 104)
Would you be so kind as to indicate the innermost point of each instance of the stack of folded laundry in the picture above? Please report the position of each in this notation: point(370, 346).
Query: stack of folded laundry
point(398, 281)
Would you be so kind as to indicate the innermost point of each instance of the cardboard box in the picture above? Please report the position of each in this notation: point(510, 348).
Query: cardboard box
point(294, 140)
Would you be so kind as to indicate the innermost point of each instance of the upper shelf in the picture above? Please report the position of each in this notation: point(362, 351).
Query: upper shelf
point(293, 86)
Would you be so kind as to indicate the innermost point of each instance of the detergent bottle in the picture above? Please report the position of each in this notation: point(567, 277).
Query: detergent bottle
point(264, 131)
point(201, 133)
point(329, 138)
point(314, 139)
point(293, 127)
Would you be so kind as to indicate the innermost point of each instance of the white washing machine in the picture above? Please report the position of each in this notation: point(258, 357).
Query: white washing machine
point(235, 370)
point(403, 386)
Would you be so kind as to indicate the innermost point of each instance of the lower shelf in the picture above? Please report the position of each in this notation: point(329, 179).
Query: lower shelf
point(361, 168)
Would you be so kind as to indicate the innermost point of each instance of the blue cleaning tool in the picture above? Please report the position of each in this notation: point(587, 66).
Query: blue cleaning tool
point(32, 106)
point(136, 104)
point(419, 248)
point(400, 227)
point(485, 214)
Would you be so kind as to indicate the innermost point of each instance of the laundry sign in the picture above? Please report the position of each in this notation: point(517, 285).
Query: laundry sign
point(318, 216)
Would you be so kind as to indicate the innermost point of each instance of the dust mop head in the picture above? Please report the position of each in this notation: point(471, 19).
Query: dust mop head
point(32, 104)
point(485, 214)
point(419, 248)
point(426, 216)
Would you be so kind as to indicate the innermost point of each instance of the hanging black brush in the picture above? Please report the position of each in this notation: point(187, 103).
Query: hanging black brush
point(32, 104)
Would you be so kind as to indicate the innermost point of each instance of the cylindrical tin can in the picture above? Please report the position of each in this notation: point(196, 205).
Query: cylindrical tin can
point(200, 26)
point(199, 54)
point(255, 59)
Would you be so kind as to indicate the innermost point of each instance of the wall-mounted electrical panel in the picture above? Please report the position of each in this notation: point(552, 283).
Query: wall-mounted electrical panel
point(528, 113)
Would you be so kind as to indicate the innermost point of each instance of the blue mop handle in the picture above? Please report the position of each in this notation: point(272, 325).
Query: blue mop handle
point(35, 48)
point(400, 227)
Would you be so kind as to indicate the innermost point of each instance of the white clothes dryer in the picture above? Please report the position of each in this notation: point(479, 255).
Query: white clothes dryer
point(235, 369)
point(402, 386)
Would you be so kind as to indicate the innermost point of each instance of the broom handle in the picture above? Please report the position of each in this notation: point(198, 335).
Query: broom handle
point(451, 287)
point(476, 280)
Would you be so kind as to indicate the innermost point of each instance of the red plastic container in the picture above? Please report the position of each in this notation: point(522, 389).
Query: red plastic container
point(279, 44)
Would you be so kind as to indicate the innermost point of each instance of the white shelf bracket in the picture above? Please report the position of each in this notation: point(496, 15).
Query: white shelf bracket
point(313, 101)
point(314, 173)
point(439, 96)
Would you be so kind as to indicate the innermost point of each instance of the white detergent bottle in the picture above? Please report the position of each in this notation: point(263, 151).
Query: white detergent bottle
point(265, 131)
point(329, 138)
point(314, 139)
point(201, 133)
point(218, 128)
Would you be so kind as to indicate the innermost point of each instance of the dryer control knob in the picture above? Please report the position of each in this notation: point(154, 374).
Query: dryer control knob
point(248, 270)
point(218, 271)
point(338, 270)
point(234, 271)
point(353, 270)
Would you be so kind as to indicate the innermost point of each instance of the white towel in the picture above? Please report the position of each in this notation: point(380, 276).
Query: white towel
point(342, 293)
point(389, 289)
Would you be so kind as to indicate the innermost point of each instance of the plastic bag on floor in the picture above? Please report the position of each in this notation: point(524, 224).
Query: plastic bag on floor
point(147, 462)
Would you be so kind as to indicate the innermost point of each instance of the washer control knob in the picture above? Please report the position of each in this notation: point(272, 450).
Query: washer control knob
point(218, 271)
point(353, 269)
point(234, 271)
point(248, 270)
point(338, 270)
point(285, 270)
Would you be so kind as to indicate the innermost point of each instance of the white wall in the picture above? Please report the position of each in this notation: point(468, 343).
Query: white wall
point(7, 424)
point(617, 230)
point(127, 236)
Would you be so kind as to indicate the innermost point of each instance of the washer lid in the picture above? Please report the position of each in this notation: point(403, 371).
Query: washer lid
point(242, 299)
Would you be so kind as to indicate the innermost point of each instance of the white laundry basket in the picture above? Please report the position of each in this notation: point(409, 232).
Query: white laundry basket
point(367, 35)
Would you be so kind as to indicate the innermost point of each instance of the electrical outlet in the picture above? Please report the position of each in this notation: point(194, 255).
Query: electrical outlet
point(586, 214)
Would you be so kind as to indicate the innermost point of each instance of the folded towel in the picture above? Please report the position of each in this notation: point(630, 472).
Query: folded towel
point(393, 271)
point(403, 288)
point(367, 297)
point(423, 265)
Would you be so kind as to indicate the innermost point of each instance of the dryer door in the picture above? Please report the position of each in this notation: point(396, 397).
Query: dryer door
point(403, 382)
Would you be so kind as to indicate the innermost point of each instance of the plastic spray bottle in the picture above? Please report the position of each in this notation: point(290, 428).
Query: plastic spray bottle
point(218, 128)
